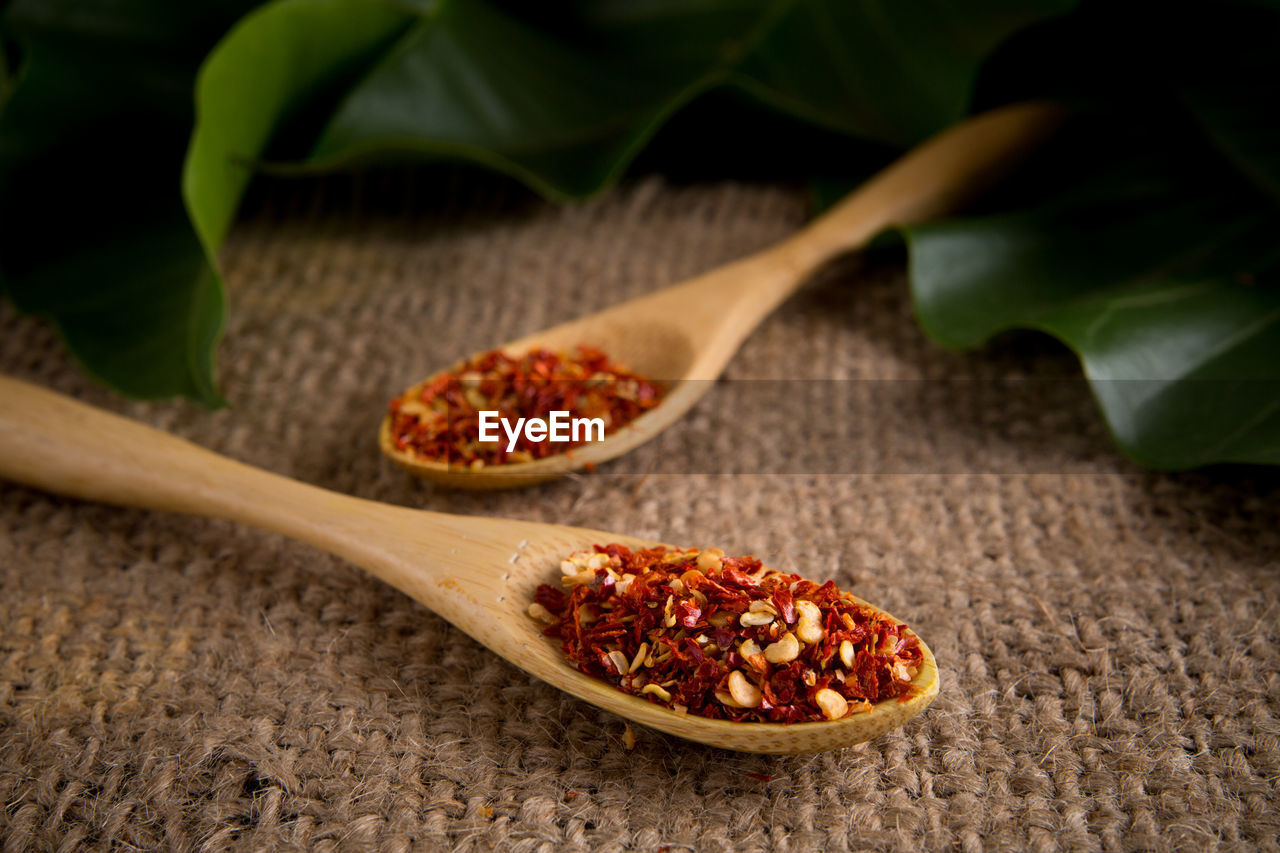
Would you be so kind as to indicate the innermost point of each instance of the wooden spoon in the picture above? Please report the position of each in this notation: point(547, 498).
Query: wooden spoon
point(686, 334)
point(479, 573)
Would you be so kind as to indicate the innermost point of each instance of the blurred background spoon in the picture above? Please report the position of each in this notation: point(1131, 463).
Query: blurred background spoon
point(686, 334)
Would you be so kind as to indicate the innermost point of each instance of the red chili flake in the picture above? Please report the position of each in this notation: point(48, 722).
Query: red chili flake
point(784, 602)
point(763, 777)
point(550, 598)
point(687, 614)
point(439, 420)
point(738, 641)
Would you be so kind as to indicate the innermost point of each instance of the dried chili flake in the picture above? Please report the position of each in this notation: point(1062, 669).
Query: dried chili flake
point(439, 420)
point(725, 637)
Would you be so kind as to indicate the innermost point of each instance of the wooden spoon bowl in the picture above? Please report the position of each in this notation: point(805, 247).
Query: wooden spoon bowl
point(478, 573)
point(652, 349)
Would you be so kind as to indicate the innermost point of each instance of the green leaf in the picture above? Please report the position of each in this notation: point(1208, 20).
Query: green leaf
point(562, 102)
point(887, 70)
point(1158, 269)
point(93, 233)
point(271, 69)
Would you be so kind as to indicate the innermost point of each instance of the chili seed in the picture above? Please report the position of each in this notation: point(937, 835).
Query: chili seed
point(746, 694)
point(726, 699)
point(808, 610)
point(619, 661)
point(639, 659)
point(709, 560)
point(756, 619)
point(833, 705)
point(656, 690)
point(785, 650)
point(809, 632)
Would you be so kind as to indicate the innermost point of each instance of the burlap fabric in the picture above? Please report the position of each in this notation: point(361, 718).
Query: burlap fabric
point(1107, 636)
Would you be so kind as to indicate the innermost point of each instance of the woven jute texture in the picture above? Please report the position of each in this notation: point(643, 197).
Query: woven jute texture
point(1107, 636)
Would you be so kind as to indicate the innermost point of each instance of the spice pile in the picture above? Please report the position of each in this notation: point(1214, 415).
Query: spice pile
point(440, 420)
point(725, 637)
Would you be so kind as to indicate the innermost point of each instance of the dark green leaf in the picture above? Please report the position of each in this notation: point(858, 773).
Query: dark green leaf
point(563, 103)
point(93, 233)
point(1162, 274)
point(283, 60)
point(888, 70)
point(564, 100)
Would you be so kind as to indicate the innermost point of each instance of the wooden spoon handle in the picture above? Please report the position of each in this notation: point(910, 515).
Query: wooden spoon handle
point(935, 178)
point(60, 445)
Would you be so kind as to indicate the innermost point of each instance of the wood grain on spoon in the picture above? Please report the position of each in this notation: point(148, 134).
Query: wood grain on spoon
point(478, 573)
point(687, 333)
